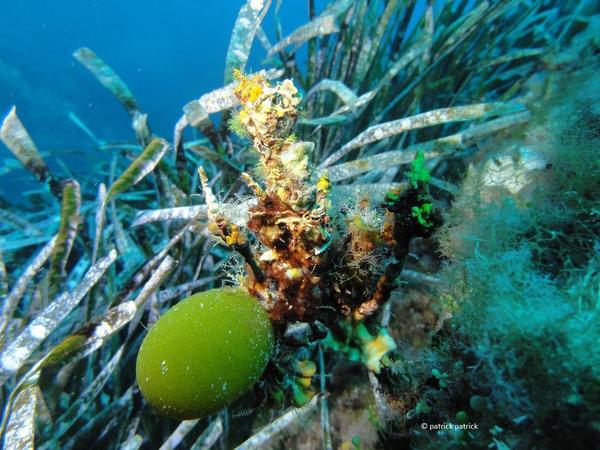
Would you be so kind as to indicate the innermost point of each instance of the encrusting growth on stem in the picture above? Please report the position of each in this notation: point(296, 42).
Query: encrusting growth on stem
point(310, 265)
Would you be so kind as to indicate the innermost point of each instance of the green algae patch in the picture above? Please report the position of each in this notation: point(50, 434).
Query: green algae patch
point(204, 353)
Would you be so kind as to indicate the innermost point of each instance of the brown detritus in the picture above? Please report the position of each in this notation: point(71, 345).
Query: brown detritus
point(385, 285)
point(388, 229)
point(417, 318)
point(290, 219)
point(289, 263)
point(252, 185)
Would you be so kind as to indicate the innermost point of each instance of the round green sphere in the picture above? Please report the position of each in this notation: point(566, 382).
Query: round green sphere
point(462, 417)
point(204, 353)
point(478, 403)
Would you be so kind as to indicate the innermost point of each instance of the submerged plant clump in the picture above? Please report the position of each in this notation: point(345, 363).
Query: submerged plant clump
point(309, 264)
point(407, 212)
point(306, 265)
point(525, 285)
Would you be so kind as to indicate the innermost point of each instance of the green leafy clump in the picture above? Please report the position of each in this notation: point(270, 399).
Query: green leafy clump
point(422, 213)
point(419, 177)
point(418, 174)
point(237, 127)
point(524, 273)
point(530, 343)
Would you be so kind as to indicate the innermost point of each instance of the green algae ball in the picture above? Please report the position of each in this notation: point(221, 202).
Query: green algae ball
point(462, 417)
point(478, 403)
point(204, 353)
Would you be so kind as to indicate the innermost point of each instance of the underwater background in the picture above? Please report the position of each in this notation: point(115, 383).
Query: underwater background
point(168, 52)
point(353, 224)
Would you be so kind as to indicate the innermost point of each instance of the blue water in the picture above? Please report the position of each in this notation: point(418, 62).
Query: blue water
point(168, 53)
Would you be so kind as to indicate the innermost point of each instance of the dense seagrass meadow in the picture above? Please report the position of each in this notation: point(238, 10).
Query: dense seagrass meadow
point(381, 232)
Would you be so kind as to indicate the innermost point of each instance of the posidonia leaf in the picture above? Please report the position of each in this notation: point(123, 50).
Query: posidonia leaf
point(116, 86)
point(16, 353)
point(343, 92)
point(18, 141)
point(8, 244)
point(107, 77)
point(375, 192)
point(353, 102)
point(156, 279)
point(179, 434)
point(83, 127)
point(242, 36)
point(276, 426)
point(236, 212)
point(85, 399)
point(263, 39)
point(133, 443)
point(88, 338)
point(462, 28)
point(78, 345)
point(69, 222)
point(10, 303)
point(99, 220)
point(109, 416)
point(327, 120)
point(320, 26)
point(439, 147)
point(325, 422)
point(218, 100)
point(20, 223)
point(373, 41)
point(211, 155)
point(159, 258)
point(20, 429)
point(177, 291)
point(3, 280)
point(209, 436)
point(407, 57)
point(140, 167)
point(444, 185)
point(380, 161)
point(516, 54)
point(122, 241)
point(337, 7)
point(438, 116)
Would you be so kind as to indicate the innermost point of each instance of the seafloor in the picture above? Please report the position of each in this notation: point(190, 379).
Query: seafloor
point(407, 193)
